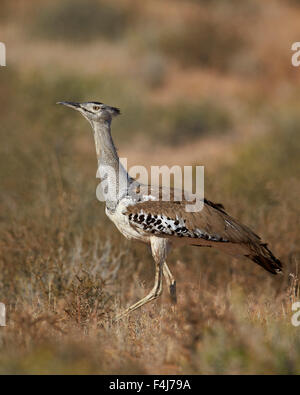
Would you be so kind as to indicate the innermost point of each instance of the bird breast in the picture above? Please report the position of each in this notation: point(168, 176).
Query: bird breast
point(121, 220)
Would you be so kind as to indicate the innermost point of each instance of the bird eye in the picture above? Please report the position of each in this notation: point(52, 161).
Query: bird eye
point(96, 108)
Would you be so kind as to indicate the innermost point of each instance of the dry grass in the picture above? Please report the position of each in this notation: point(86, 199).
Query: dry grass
point(65, 271)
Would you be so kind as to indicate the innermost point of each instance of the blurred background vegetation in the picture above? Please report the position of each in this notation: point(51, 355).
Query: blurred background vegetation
point(198, 82)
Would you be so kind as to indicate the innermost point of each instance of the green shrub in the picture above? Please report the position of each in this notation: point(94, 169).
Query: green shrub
point(274, 156)
point(203, 42)
point(181, 122)
point(170, 124)
point(76, 21)
point(213, 36)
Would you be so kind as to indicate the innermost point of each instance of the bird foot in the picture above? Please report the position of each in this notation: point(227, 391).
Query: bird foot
point(172, 290)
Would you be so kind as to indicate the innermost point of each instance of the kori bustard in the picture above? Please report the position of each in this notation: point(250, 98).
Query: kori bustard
point(142, 215)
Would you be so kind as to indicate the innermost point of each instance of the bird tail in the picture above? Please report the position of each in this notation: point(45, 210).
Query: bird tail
point(265, 258)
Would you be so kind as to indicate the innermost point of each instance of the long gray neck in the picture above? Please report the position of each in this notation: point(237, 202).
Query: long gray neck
point(114, 178)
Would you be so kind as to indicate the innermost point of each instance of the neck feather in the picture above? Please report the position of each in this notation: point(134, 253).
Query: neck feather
point(105, 148)
point(109, 167)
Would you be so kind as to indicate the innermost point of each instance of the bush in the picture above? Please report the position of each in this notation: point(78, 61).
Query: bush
point(181, 122)
point(205, 42)
point(213, 36)
point(171, 124)
point(72, 20)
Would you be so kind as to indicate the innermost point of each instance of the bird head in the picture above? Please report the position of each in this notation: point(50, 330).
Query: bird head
point(93, 111)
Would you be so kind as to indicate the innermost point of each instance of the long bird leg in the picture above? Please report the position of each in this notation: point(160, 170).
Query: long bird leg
point(171, 282)
point(159, 252)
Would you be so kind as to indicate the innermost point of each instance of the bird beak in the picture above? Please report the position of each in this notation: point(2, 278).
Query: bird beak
point(76, 106)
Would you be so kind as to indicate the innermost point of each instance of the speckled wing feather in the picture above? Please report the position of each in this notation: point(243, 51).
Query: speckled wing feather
point(170, 218)
point(211, 226)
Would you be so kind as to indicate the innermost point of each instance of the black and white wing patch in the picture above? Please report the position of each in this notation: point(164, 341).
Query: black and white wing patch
point(162, 225)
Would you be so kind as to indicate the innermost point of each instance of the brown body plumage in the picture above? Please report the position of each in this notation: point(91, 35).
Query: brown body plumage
point(210, 227)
